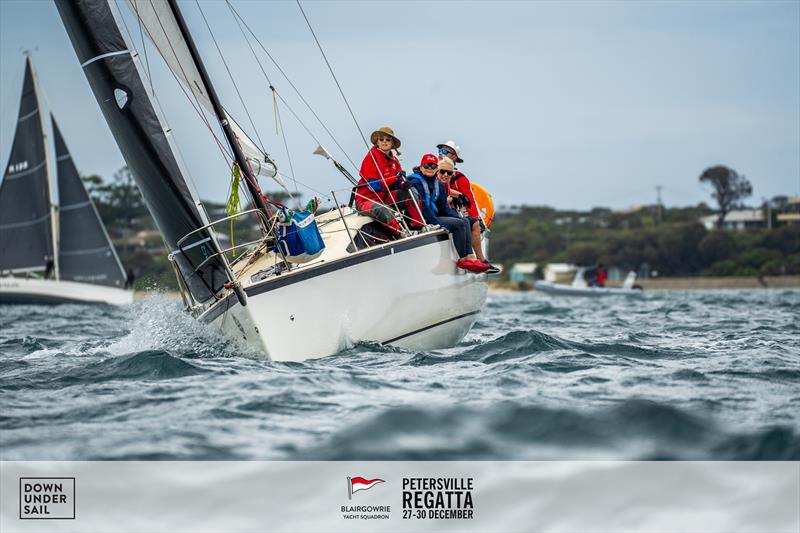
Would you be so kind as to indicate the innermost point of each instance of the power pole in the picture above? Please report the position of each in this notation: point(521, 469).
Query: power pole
point(768, 206)
point(658, 204)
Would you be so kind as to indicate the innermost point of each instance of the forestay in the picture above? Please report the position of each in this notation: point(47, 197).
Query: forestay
point(26, 238)
point(85, 253)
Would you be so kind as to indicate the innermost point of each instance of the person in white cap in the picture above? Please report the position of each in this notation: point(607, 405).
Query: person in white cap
point(462, 197)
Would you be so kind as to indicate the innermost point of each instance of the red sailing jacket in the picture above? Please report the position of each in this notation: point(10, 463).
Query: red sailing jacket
point(388, 167)
point(460, 183)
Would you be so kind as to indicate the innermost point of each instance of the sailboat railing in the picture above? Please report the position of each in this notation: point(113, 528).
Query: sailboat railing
point(222, 252)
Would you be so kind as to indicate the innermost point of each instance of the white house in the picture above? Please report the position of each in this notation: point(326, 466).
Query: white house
point(559, 272)
point(738, 219)
point(523, 272)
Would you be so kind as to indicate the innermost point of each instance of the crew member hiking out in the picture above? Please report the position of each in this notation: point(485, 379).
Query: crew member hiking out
point(462, 197)
point(383, 186)
point(433, 202)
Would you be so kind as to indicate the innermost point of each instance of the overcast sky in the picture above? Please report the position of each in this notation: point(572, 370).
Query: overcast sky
point(572, 104)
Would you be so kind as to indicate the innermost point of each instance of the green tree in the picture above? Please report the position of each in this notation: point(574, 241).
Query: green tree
point(729, 188)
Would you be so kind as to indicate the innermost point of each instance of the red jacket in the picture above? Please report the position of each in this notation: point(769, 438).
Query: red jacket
point(460, 183)
point(380, 178)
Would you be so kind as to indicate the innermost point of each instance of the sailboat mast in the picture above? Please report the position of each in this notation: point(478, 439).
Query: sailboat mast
point(49, 169)
point(251, 180)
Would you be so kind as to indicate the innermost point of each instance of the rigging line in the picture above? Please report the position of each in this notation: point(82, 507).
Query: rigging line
point(266, 77)
point(330, 68)
point(292, 85)
point(144, 48)
point(358, 127)
point(288, 155)
point(230, 75)
point(277, 112)
point(123, 20)
point(350, 109)
point(198, 107)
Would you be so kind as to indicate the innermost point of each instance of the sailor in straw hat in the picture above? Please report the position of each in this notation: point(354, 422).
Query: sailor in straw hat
point(383, 185)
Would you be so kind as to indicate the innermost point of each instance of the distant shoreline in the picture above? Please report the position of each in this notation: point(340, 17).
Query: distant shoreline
point(697, 283)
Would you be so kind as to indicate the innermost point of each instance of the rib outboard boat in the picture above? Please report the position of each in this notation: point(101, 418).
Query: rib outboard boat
point(580, 287)
point(51, 252)
point(351, 284)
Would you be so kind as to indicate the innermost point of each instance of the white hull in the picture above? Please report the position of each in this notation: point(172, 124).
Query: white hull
point(50, 291)
point(595, 292)
point(406, 293)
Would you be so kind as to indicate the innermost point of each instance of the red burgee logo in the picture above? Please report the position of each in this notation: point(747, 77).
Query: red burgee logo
point(355, 484)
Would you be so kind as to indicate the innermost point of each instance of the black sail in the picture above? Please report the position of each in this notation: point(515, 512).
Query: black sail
point(85, 252)
point(26, 238)
point(113, 70)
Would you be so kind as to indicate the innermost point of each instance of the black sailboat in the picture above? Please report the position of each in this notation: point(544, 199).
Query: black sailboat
point(74, 263)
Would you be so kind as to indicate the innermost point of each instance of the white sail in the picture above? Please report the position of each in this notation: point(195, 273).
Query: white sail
point(160, 25)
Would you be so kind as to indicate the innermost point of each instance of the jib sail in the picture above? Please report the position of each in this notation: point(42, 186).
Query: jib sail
point(160, 23)
point(85, 253)
point(26, 236)
point(112, 67)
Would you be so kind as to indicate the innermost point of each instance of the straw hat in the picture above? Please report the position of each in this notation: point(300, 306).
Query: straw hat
point(386, 130)
point(454, 147)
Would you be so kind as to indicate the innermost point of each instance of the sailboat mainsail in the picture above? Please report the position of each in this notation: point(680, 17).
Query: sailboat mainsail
point(85, 252)
point(26, 236)
point(112, 67)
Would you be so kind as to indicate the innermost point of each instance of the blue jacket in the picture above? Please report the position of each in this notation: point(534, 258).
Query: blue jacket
point(432, 196)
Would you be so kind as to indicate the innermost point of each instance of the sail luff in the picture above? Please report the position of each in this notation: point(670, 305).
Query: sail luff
point(117, 79)
point(26, 241)
point(48, 169)
point(50, 173)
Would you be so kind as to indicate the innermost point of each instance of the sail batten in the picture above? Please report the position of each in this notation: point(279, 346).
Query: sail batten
point(121, 90)
point(26, 233)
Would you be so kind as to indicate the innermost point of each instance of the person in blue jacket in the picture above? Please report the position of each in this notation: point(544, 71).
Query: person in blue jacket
point(435, 211)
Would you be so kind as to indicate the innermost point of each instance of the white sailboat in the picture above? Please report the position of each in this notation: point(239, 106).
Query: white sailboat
point(51, 253)
point(360, 288)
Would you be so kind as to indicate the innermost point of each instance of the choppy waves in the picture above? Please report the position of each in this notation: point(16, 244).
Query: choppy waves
point(670, 376)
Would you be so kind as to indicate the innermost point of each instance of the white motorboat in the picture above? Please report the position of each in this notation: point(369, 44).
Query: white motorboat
point(580, 287)
point(51, 252)
point(358, 288)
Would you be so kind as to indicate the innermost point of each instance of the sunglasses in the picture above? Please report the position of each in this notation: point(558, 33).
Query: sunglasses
point(445, 151)
point(446, 172)
point(385, 139)
point(430, 166)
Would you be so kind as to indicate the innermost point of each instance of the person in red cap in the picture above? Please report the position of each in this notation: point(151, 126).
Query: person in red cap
point(462, 198)
point(383, 187)
point(433, 203)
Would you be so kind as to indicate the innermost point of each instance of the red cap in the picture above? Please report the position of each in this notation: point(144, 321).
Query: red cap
point(429, 158)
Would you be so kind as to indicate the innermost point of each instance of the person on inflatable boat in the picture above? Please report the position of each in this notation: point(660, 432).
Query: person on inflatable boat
point(461, 196)
point(383, 186)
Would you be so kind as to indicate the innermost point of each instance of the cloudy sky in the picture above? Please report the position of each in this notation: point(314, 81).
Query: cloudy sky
point(570, 104)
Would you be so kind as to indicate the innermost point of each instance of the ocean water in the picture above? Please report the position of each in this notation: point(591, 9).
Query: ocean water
point(673, 375)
